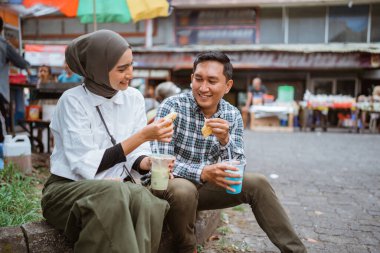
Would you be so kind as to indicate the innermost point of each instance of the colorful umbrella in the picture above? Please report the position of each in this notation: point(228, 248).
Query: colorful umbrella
point(103, 11)
point(148, 9)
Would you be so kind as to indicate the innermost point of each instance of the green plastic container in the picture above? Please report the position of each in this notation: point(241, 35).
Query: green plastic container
point(285, 93)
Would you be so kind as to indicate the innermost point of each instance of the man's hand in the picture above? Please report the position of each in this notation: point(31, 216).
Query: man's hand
point(216, 174)
point(220, 129)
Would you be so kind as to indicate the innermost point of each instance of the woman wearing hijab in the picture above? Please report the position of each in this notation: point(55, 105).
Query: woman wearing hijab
point(100, 134)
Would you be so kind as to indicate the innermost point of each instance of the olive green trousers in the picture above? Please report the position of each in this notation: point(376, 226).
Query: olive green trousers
point(185, 198)
point(104, 216)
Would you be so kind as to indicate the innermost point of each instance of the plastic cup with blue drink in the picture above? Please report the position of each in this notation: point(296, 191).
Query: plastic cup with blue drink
point(240, 165)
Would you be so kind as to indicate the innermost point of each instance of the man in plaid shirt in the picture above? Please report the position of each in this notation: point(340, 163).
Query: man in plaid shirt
point(199, 182)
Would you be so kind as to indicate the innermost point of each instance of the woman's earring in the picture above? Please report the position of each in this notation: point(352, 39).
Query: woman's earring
point(191, 85)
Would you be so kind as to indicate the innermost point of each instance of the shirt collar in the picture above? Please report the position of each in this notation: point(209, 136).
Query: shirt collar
point(196, 108)
point(98, 100)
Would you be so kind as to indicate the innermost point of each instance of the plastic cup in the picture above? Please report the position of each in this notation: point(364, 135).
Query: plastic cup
point(241, 166)
point(160, 171)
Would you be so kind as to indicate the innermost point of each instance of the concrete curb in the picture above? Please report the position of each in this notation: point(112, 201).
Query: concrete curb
point(40, 237)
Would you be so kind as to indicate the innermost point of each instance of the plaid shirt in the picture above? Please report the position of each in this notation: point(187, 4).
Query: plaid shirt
point(191, 149)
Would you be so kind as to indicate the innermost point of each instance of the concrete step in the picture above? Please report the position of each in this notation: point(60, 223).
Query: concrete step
point(40, 237)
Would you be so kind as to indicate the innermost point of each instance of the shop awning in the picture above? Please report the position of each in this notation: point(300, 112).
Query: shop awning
point(297, 48)
point(264, 60)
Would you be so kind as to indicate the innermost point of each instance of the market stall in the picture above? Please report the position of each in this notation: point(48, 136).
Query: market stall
point(274, 116)
point(349, 113)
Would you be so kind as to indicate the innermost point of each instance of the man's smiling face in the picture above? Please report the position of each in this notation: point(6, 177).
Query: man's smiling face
point(209, 85)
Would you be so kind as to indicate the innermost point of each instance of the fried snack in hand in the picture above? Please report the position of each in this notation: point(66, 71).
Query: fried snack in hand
point(171, 116)
point(206, 131)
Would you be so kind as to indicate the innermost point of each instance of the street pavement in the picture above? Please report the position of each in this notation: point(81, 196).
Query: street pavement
point(329, 184)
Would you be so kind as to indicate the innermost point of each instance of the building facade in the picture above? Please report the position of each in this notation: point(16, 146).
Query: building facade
point(327, 47)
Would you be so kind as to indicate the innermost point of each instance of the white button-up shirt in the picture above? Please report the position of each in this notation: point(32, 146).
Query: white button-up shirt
point(81, 138)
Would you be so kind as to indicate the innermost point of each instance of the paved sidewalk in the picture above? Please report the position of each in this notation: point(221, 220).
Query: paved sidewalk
point(329, 183)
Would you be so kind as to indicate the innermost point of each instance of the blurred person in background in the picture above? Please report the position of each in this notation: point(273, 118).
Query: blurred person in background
point(7, 54)
point(149, 98)
point(255, 95)
point(68, 76)
point(376, 93)
point(44, 75)
point(374, 123)
point(163, 91)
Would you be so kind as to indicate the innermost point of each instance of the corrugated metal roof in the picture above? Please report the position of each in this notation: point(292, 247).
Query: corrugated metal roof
point(373, 48)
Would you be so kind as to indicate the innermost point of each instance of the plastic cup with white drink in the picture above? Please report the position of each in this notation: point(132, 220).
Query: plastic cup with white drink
point(160, 171)
point(240, 165)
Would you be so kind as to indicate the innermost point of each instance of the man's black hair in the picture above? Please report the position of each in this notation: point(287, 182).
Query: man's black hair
point(215, 56)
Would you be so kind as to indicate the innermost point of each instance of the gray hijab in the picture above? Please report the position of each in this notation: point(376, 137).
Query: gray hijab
point(93, 55)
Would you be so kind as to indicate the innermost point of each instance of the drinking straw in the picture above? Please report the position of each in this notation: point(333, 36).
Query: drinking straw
point(157, 148)
point(229, 155)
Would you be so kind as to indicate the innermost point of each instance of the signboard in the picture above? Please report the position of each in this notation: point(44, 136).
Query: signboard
point(51, 55)
point(220, 26)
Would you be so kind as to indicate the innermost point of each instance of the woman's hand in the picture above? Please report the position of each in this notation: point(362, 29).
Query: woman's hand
point(146, 164)
point(161, 130)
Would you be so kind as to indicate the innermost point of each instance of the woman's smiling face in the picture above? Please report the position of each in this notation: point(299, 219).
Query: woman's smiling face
point(122, 73)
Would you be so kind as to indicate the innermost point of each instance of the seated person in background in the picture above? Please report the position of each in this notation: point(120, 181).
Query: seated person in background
point(68, 76)
point(254, 96)
point(44, 75)
point(163, 91)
